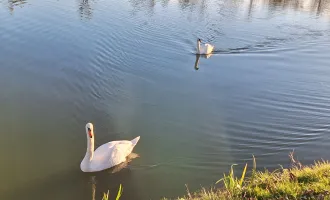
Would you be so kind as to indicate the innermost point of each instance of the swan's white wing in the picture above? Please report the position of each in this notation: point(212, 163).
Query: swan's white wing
point(120, 151)
point(208, 48)
point(104, 151)
point(102, 156)
point(111, 154)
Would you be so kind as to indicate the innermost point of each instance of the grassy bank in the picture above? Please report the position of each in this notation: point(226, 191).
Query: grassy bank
point(296, 182)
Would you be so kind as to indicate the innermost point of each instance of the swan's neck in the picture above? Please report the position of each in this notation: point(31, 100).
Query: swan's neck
point(90, 148)
point(198, 47)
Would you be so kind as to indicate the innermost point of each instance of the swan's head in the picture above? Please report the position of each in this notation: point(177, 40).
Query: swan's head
point(199, 40)
point(90, 130)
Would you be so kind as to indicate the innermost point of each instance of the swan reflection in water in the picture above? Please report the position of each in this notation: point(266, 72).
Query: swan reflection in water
point(85, 9)
point(123, 165)
point(112, 170)
point(15, 3)
point(197, 59)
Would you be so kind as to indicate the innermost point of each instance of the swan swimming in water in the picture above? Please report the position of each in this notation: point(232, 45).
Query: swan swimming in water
point(107, 155)
point(204, 50)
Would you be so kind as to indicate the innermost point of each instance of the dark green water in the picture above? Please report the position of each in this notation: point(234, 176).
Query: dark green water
point(129, 67)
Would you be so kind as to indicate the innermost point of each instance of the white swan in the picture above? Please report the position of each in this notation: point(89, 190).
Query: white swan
point(106, 156)
point(204, 50)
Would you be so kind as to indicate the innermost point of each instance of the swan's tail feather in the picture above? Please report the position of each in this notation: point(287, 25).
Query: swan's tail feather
point(135, 140)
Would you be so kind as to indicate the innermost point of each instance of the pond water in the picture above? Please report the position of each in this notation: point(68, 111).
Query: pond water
point(129, 67)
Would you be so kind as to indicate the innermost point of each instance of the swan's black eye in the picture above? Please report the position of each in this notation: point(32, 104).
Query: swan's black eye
point(89, 129)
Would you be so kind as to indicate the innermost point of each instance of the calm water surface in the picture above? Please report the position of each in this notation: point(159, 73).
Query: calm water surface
point(129, 67)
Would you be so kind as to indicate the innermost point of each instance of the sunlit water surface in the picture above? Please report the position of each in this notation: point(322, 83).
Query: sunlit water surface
point(129, 67)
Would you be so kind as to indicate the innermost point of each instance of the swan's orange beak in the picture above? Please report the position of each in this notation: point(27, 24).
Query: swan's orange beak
point(90, 133)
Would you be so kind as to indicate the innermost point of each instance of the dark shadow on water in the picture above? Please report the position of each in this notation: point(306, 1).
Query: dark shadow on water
point(144, 5)
point(250, 9)
point(12, 4)
point(269, 45)
point(149, 5)
point(314, 7)
point(186, 4)
point(85, 9)
point(317, 7)
point(196, 66)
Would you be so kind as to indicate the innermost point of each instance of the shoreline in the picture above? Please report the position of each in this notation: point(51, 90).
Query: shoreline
point(296, 182)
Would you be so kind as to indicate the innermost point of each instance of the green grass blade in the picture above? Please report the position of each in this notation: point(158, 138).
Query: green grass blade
point(254, 164)
point(120, 191)
point(254, 169)
point(105, 196)
point(225, 181)
point(232, 177)
point(218, 181)
point(243, 175)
